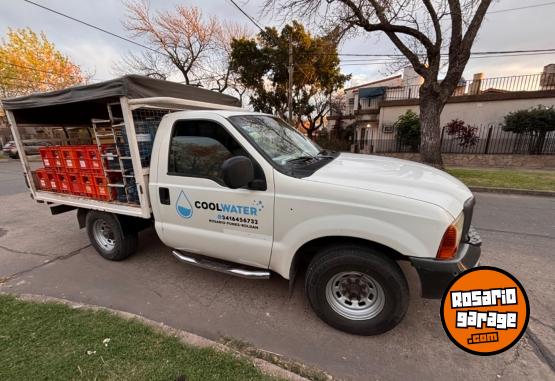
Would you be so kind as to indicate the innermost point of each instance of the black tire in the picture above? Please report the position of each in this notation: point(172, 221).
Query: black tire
point(123, 244)
point(333, 261)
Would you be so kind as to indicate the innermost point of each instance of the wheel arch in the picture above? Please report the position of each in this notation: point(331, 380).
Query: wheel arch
point(130, 225)
point(308, 250)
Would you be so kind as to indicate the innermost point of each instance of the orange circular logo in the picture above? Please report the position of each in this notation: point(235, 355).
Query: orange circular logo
point(485, 311)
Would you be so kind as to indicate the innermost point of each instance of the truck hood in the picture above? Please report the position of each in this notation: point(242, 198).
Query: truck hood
point(395, 176)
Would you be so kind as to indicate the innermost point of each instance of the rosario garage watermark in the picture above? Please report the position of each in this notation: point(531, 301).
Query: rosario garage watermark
point(485, 311)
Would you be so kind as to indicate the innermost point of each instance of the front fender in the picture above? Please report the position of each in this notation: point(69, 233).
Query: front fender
point(355, 226)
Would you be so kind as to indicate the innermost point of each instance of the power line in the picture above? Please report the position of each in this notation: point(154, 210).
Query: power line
point(395, 60)
point(261, 29)
point(34, 69)
point(393, 55)
point(520, 8)
point(95, 27)
point(26, 80)
point(101, 29)
point(247, 15)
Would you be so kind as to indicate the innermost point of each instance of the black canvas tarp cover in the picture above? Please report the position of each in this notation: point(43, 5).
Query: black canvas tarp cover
point(81, 103)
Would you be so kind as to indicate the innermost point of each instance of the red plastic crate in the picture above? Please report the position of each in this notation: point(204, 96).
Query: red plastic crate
point(75, 184)
point(103, 191)
point(47, 158)
point(63, 183)
point(42, 176)
point(69, 159)
point(58, 158)
point(53, 181)
point(87, 179)
point(82, 159)
point(92, 154)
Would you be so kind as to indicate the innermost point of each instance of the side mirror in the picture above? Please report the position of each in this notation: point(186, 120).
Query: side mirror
point(237, 172)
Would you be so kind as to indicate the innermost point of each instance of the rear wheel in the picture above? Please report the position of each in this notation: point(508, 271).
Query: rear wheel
point(108, 238)
point(357, 289)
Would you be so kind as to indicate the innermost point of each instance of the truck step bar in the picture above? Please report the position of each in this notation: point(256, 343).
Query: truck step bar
point(221, 266)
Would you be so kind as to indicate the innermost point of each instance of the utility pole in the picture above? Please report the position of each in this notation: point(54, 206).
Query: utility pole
point(290, 84)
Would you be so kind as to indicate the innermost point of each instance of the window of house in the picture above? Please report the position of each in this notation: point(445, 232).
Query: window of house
point(198, 148)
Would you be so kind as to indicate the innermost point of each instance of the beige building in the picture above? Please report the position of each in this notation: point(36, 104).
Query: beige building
point(373, 108)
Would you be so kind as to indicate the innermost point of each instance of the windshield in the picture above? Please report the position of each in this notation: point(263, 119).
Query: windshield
point(278, 140)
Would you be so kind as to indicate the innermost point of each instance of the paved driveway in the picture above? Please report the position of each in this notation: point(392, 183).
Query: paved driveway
point(45, 254)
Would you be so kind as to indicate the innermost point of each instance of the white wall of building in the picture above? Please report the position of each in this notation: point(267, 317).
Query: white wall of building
point(472, 113)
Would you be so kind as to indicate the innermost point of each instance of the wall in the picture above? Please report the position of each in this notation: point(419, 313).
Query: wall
point(488, 161)
point(473, 113)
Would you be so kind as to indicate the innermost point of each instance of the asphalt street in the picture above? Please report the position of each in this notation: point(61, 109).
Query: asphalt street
point(44, 254)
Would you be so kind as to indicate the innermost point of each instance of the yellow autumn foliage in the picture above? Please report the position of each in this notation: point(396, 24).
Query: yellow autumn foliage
point(30, 63)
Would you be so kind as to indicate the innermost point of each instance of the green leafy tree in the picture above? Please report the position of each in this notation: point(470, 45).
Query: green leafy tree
point(537, 122)
point(261, 64)
point(408, 130)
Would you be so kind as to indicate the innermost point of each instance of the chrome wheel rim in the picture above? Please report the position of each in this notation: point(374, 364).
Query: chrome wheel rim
point(355, 295)
point(103, 234)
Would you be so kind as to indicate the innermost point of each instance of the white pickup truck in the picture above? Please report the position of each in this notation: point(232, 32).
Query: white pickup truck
point(246, 194)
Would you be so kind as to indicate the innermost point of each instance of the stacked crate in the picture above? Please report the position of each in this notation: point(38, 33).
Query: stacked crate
point(76, 170)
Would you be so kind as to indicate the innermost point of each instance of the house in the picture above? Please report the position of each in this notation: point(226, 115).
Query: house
point(372, 109)
point(361, 110)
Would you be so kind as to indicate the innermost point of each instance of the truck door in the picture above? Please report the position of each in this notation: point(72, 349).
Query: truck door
point(196, 212)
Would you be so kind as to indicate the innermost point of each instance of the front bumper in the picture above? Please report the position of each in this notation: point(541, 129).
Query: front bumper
point(435, 275)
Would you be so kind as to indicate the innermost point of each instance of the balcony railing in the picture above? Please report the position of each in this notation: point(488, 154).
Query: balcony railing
point(498, 85)
point(369, 103)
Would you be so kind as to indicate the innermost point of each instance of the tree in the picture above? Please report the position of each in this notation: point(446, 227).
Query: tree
point(183, 42)
point(182, 37)
point(262, 67)
point(408, 130)
point(419, 30)
point(29, 63)
point(218, 73)
point(537, 122)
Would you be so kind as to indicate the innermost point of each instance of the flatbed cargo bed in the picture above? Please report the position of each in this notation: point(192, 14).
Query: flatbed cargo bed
point(129, 109)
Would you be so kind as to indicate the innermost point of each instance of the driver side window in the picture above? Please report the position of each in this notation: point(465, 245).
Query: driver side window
point(198, 148)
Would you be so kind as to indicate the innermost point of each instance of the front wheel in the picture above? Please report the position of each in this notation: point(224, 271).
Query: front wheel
point(108, 238)
point(356, 289)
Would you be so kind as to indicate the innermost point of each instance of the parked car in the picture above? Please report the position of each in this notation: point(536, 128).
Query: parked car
point(7, 148)
point(31, 147)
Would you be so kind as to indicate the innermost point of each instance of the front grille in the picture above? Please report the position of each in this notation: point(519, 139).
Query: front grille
point(468, 209)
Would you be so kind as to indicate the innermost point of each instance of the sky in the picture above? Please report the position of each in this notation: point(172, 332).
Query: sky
point(97, 52)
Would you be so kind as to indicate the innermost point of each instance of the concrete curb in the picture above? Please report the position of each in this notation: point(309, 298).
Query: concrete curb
point(525, 192)
point(187, 338)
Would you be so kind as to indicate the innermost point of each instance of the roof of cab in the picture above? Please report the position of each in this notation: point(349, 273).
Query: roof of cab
point(223, 113)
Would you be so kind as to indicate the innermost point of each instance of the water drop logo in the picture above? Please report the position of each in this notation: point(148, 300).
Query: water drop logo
point(183, 206)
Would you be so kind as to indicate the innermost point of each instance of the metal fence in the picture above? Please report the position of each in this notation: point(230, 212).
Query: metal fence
point(491, 140)
point(497, 85)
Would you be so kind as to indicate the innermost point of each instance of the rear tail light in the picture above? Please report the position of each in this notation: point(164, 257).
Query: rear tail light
point(448, 247)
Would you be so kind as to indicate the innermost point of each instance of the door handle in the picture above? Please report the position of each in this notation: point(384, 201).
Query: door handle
point(164, 194)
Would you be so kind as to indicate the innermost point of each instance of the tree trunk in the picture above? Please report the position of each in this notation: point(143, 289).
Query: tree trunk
point(431, 106)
